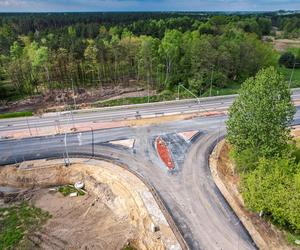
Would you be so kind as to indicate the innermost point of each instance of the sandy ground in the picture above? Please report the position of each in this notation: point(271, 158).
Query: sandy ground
point(188, 135)
point(118, 208)
point(128, 143)
point(283, 44)
point(296, 131)
point(265, 235)
point(75, 225)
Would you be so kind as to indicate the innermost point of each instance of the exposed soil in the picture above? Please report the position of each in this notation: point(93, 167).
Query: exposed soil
point(282, 45)
point(263, 232)
point(73, 224)
point(59, 99)
point(109, 216)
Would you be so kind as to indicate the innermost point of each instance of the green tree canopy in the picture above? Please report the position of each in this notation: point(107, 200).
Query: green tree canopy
point(273, 187)
point(260, 117)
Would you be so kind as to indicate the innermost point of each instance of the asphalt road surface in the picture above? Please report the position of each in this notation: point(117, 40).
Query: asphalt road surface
point(125, 112)
point(192, 198)
point(194, 202)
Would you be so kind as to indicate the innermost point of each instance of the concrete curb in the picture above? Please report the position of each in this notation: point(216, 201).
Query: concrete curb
point(250, 227)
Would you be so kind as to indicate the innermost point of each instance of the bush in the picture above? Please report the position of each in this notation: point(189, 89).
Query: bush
point(274, 188)
point(245, 160)
point(288, 59)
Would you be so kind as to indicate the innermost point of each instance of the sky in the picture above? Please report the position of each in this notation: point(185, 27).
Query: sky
point(146, 5)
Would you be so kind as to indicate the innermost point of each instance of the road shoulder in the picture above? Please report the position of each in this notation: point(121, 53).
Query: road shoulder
point(263, 233)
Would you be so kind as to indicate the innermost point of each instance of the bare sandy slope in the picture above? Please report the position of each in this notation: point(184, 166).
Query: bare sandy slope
point(265, 235)
point(77, 225)
point(118, 208)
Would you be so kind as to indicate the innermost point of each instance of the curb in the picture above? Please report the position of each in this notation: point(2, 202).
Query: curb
point(247, 223)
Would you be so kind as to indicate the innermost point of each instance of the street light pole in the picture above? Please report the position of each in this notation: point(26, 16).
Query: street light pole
point(93, 143)
point(74, 99)
point(148, 92)
point(67, 153)
point(292, 74)
point(211, 80)
point(180, 85)
point(28, 126)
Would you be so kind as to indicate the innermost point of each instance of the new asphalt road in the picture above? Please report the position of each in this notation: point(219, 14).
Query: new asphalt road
point(125, 112)
point(189, 193)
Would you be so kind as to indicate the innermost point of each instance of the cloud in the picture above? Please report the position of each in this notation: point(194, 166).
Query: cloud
point(145, 5)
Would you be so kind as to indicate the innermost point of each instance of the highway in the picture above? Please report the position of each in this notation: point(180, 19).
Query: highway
point(199, 210)
point(123, 112)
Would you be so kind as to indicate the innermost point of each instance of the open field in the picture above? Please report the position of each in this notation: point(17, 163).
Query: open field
point(282, 45)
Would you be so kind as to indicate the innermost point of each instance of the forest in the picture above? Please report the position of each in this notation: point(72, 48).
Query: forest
point(43, 52)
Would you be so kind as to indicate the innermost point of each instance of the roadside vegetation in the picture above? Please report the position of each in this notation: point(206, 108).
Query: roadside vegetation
point(129, 247)
point(209, 54)
point(16, 114)
point(265, 154)
point(43, 52)
point(289, 63)
point(19, 221)
point(69, 189)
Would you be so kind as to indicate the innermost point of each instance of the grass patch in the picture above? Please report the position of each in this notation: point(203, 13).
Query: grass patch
point(19, 221)
point(287, 75)
point(165, 95)
point(68, 189)
point(294, 51)
point(223, 91)
point(291, 238)
point(129, 247)
point(16, 114)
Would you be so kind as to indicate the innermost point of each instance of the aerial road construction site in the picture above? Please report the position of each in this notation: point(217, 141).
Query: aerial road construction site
point(145, 175)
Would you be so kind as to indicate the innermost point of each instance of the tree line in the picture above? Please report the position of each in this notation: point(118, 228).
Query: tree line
point(41, 52)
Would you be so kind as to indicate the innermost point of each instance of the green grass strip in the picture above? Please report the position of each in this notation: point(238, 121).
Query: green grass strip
point(16, 114)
